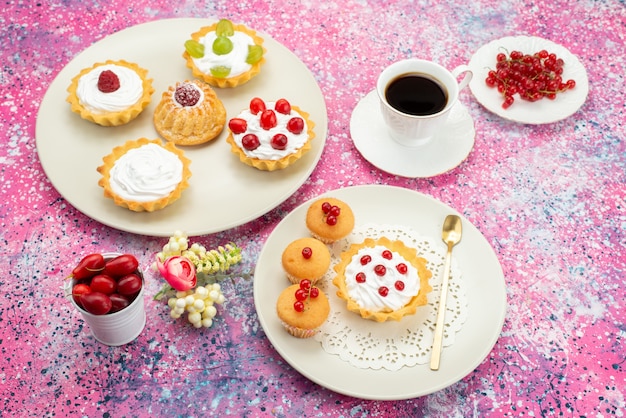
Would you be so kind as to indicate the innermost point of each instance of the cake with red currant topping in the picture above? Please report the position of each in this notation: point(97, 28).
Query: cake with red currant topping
point(224, 54)
point(111, 93)
point(189, 113)
point(270, 135)
point(382, 279)
point(306, 258)
point(329, 219)
point(302, 308)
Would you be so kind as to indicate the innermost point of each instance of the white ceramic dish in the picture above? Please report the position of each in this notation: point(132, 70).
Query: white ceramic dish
point(542, 111)
point(223, 192)
point(446, 150)
point(485, 286)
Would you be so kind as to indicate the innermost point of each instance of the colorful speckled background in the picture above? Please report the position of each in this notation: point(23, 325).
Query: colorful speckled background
point(550, 199)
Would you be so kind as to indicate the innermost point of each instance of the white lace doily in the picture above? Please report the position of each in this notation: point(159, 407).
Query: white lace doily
point(392, 344)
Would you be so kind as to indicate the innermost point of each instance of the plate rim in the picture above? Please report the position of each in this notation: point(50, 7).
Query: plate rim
point(55, 96)
point(308, 347)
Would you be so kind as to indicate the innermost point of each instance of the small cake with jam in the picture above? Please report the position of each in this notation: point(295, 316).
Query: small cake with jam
point(189, 113)
point(329, 219)
point(270, 136)
point(111, 93)
point(144, 175)
point(382, 279)
point(302, 308)
point(306, 258)
point(225, 54)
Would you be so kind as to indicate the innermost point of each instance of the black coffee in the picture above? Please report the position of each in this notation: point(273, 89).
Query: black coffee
point(416, 94)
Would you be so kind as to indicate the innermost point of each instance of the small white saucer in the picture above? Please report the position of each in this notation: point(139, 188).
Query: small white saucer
point(446, 150)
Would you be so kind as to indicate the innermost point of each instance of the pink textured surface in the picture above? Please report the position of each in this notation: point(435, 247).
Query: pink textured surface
point(550, 199)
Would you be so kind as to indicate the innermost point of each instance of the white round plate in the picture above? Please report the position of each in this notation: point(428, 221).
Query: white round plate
point(223, 192)
point(449, 148)
point(485, 288)
point(539, 112)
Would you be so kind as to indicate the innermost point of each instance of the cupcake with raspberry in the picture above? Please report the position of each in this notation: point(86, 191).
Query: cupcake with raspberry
point(302, 308)
point(305, 258)
point(225, 54)
point(189, 113)
point(270, 135)
point(111, 93)
point(382, 279)
point(329, 219)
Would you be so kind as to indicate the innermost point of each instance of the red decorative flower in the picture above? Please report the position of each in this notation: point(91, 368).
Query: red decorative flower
point(179, 272)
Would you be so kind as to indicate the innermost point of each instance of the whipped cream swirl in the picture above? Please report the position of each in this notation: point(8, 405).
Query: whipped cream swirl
point(235, 59)
point(129, 93)
point(367, 295)
point(147, 173)
point(265, 150)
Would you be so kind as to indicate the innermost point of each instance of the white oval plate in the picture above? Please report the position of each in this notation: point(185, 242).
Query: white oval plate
point(486, 297)
point(223, 192)
point(542, 111)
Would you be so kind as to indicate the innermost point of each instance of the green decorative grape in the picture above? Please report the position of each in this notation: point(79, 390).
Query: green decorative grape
point(222, 45)
point(194, 48)
point(220, 71)
point(255, 53)
point(224, 28)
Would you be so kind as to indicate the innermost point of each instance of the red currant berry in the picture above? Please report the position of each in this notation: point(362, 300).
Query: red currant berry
point(250, 142)
point(387, 255)
point(335, 211)
point(298, 306)
point(360, 277)
point(282, 106)
point(307, 252)
point(238, 125)
point(268, 119)
point(315, 292)
point(295, 125)
point(257, 105)
point(399, 285)
point(331, 220)
point(305, 284)
point(301, 294)
point(279, 142)
point(326, 207)
point(380, 270)
point(383, 291)
point(402, 268)
point(365, 259)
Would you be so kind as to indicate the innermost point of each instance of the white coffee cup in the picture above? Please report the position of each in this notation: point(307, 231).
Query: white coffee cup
point(412, 129)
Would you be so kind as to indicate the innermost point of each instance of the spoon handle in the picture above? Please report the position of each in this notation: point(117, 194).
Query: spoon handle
point(435, 356)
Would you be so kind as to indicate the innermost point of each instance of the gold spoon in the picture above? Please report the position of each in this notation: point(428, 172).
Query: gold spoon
point(451, 235)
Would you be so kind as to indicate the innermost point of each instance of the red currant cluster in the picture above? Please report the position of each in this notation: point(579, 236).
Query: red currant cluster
point(267, 120)
point(307, 253)
point(305, 291)
point(381, 270)
point(331, 212)
point(533, 77)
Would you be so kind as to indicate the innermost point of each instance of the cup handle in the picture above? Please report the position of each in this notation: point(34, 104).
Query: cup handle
point(461, 69)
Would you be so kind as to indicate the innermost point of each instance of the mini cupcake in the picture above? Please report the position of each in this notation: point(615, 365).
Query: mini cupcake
point(111, 93)
point(225, 55)
point(382, 279)
point(306, 258)
point(302, 309)
point(270, 136)
point(144, 175)
point(189, 113)
point(329, 219)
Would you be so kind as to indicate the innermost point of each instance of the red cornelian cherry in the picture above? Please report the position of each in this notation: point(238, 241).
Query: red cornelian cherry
point(305, 284)
point(326, 207)
point(298, 306)
point(250, 142)
point(268, 119)
point(307, 252)
point(387, 255)
point(279, 142)
point(399, 285)
point(257, 105)
point(402, 268)
point(282, 106)
point(331, 220)
point(360, 277)
point(301, 294)
point(380, 270)
point(365, 259)
point(315, 292)
point(383, 291)
point(238, 125)
point(295, 125)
